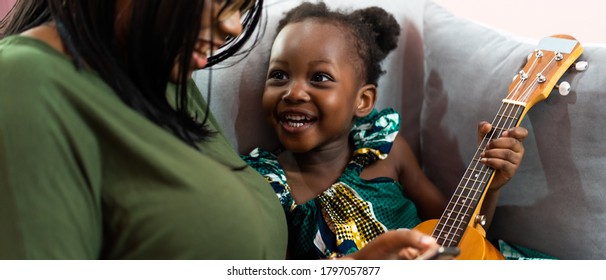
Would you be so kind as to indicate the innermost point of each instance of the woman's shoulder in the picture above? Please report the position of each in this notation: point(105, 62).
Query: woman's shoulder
point(26, 53)
point(32, 66)
point(39, 84)
point(28, 63)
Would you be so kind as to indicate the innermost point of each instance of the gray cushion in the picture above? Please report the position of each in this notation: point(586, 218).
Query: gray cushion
point(555, 203)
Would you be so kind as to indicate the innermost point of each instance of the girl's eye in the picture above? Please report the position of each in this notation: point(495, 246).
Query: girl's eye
point(321, 77)
point(277, 75)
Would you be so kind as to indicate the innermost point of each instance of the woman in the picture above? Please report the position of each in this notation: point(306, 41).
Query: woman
point(108, 151)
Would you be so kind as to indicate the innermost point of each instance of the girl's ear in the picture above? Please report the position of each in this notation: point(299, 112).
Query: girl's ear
point(367, 96)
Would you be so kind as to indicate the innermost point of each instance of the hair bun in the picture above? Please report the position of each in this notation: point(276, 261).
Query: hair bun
point(384, 26)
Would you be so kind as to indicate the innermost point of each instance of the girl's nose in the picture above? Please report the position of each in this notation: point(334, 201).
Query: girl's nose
point(296, 94)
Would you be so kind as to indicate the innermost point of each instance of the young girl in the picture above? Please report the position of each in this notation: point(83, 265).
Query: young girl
point(344, 176)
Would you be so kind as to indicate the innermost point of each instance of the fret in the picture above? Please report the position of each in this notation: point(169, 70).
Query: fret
point(462, 207)
point(472, 194)
point(476, 161)
point(473, 180)
point(477, 168)
point(454, 216)
point(465, 190)
point(466, 199)
point(447, 242)
point(446, 220)
point(467, 187)
point(448, 231)
point(506, 116)
point(449, 235)
point(500, 129)
point(461, 211)
point(511, 108)
point(483, 170)
point(448, 238)
point(470, 182)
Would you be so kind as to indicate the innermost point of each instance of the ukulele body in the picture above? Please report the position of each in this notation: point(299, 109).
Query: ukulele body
point(473, 245)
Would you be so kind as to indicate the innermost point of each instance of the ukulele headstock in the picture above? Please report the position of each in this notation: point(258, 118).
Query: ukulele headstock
point(545, 66)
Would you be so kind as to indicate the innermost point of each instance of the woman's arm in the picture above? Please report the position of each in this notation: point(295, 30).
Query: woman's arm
point(50, 206)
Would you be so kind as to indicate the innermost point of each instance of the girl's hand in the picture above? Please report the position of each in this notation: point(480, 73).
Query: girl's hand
point(504, 154)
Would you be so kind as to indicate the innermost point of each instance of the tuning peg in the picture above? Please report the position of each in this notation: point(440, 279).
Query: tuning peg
point(563, 88)
point(581, 66)
point(481, 219)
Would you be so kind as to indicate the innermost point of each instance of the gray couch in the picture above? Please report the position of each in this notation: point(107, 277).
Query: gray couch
point(447, 74)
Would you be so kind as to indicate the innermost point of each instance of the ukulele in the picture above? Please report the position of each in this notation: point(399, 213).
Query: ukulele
point(461, 223)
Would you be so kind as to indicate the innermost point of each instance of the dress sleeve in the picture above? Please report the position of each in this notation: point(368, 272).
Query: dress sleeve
point(49, 194)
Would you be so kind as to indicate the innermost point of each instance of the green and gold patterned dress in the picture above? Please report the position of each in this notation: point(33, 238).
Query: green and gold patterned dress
point(353, 210)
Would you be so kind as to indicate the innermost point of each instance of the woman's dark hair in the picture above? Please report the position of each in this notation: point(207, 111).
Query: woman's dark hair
point(374, 32)
point(163, 30)
point(24, 15)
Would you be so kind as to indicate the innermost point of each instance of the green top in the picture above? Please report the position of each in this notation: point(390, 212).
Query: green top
point(83, 176)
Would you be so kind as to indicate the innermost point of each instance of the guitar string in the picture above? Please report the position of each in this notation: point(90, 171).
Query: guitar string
point(509, 122)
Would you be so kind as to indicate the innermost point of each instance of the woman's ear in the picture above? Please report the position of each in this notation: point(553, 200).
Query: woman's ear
point(367, 96)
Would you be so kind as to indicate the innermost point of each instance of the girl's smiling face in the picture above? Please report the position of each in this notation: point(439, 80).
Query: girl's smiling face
point(313, 90)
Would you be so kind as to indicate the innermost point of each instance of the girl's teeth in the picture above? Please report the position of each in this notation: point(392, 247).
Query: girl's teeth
point(295, 124)
point(296, 118)
point(295, 121)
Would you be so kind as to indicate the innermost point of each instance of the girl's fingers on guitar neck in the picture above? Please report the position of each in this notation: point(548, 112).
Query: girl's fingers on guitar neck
point(519, 133)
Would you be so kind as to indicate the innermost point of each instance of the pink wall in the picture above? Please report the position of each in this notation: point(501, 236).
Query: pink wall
point(536, 19)
point(5, 6)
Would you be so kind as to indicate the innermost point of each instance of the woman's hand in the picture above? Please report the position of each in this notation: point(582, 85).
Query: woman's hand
point(401, 244)
point(504, 154)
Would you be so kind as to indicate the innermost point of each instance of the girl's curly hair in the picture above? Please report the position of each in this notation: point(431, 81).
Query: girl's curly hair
point(373, 30)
